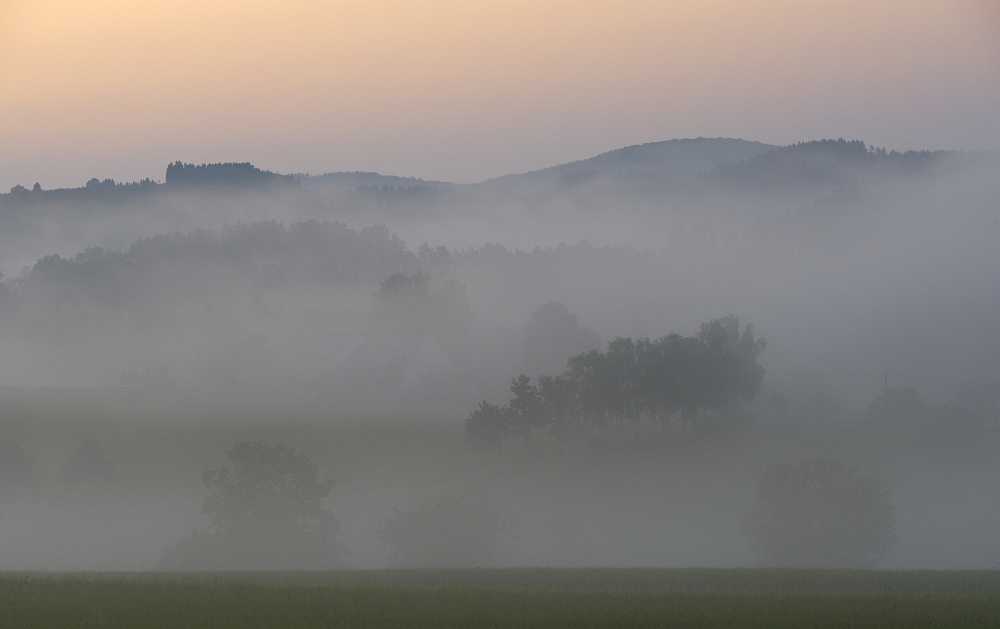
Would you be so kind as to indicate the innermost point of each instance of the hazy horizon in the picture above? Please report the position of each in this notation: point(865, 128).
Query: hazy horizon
point(451, 92)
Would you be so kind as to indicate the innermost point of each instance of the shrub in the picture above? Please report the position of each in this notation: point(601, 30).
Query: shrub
point(820, 513)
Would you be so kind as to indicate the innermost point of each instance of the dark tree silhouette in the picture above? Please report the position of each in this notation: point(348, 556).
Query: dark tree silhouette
point(726, 363)
point(596, 387)
point(242, 174)
point(486, 427)
point(632, 381)
point(560, 406)
point(660, 374)
point(525, 411)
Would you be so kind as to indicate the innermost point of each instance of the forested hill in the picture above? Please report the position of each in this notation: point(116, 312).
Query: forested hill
point(670, 159)
point(840, 253)
point(674, 158)
point(703, 167)
point(639, 195)
point(179, 176)
point(357, 179)
point(822, 163)
point(226, 175)
point(744, 162)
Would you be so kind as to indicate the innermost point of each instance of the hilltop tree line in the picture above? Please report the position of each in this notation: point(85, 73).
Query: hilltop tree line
point(805, 164)
point(822, 163)
point(673, 377)
point(266, 253)
point(178, 175)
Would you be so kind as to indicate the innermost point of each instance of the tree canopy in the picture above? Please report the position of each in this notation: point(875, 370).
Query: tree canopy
point(266, 511)
point(630, 381)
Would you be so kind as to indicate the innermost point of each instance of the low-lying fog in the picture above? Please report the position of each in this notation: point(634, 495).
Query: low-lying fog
point(360, 319)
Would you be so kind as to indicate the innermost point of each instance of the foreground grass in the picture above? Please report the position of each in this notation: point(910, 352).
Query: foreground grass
point(732, 579)
point(140, 602)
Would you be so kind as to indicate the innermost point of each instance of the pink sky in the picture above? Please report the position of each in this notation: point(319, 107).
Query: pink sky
point(463, 91)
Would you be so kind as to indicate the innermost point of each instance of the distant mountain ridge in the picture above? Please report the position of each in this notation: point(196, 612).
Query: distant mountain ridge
point(669, 160)
point(820, 163)
point(676, 159)
point(351, 180)
point(679, 159)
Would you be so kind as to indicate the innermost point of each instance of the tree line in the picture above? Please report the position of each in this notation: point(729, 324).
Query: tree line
point(663, 380)
point(266, 253)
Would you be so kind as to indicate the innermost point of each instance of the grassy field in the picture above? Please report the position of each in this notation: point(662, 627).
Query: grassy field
point(507, 598)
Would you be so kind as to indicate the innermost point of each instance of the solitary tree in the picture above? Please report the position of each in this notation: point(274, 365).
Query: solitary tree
point(820, 513)
point(266, 512)
point(89, 464)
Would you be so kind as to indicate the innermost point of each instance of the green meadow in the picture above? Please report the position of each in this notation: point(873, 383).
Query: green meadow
point(506, 598)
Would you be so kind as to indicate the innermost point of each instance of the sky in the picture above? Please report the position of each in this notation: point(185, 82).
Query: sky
point(463, 91)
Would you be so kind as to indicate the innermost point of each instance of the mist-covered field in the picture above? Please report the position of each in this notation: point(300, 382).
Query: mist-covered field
point(500, 314)
point(734, 354)
point(634, 496)
point(850, 262)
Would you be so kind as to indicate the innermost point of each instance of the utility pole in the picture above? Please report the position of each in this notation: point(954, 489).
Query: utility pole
point(995, 421)
point(886, 395)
